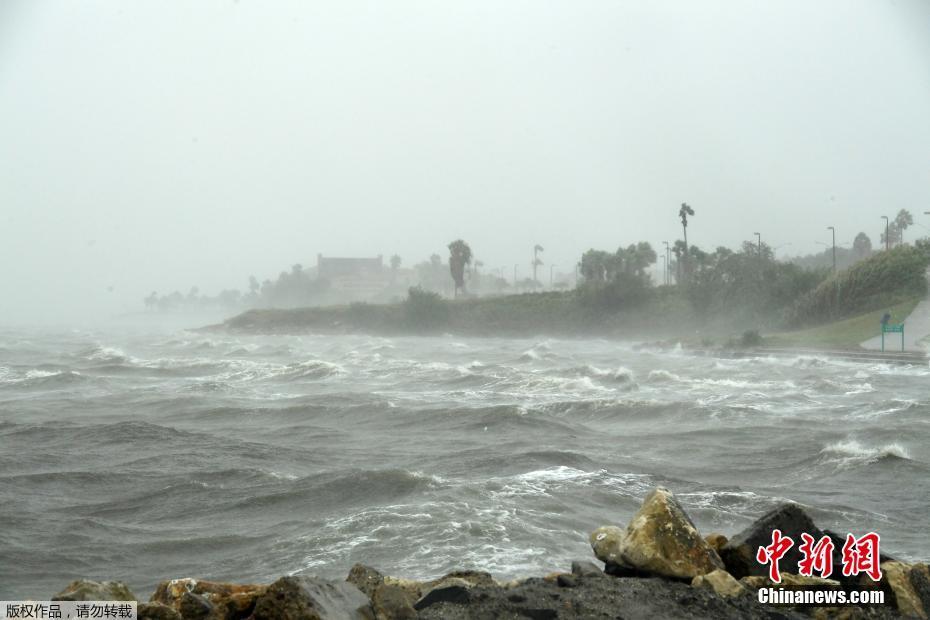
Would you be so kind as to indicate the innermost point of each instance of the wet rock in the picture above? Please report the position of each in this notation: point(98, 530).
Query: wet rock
point(739, 553)
point(365, 578)
point(449, 590)
point(660, 540)
point(230, 601)
point(716, 541)
point(596, 596)
point(754, 582)
point(607, 542)
point(311, 598)
point(910, 584)
point(721, 582)
point(157, 611)
point(194, 606)
point(583, 568)
point(86, 590)
point(566, 581)
point(393, 603)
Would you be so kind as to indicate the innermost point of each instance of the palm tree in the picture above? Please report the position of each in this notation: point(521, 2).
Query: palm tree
point(901, 221)
point(683, 213)
point(459, 257)
point(536, 261)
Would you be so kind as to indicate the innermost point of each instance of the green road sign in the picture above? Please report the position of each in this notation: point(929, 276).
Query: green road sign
point(892, 329)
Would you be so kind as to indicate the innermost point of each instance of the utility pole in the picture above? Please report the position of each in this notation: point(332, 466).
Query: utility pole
point(665, 269)
point(833, 230)
point(887, 238)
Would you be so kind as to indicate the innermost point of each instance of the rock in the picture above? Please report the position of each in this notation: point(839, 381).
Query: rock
point(754, 582)
point(449, 590)
point(716, 541)
point(412, 587)
point(721, 582)
point(902, 579)
point(392, 603)
point(311, 598)
point(565, 580)
point(660, 540)
point(606, 542)
point(584, 568)
point(230, 601)
point(739, 553)
point(365, 579)
point(86, 590)
point(194, 606)
point(157, 611)
point(602, 597)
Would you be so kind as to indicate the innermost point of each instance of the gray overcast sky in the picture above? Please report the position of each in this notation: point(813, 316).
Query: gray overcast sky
point(155, 145)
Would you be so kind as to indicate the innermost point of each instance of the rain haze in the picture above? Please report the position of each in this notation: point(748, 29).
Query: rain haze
point(163, 145)
point(387, 309)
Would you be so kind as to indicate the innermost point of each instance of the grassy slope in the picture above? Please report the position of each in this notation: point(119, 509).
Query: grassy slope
point(845, 334)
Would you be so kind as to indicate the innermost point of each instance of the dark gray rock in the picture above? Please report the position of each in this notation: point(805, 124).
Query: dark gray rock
point(583, 567)
point(739, 553)
point(311, 598)
point(156, 611)
point(457, 592)
point(597, 596)
point(194, 606)
point(566, 581)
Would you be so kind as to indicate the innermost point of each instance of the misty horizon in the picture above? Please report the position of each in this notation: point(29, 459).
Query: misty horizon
point(148, 147)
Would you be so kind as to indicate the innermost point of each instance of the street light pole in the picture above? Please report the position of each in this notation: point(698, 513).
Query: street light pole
point(665, 269)
point(887, 239)
point(833, 230)
point(759, 237)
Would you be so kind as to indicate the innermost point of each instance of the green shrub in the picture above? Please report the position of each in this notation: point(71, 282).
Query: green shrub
point(883, 279)
point(425, 309)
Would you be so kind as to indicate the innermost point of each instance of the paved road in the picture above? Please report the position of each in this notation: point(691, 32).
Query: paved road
point(916, 328)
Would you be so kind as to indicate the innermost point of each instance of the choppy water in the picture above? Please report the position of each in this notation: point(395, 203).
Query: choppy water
point(144, 456)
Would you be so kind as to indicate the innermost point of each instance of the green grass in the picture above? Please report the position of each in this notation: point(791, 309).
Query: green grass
point(846, 334)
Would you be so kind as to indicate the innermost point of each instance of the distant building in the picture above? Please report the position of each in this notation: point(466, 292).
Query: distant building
point(354, 279)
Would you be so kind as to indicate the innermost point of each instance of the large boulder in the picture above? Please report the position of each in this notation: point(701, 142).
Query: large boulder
point(86, 590)
point(739, 553)
point(311, 598)
point(208, 599)
point(910, 586)
point(660, 540)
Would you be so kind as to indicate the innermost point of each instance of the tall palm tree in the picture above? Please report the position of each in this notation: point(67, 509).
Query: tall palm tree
point(536, 261)
point(683, 213)
point(459, 256)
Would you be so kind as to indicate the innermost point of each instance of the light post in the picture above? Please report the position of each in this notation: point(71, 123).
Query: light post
point(887, 239)
point(759, 237)
point(665, 269)
point(515, 276)
point(833, 230)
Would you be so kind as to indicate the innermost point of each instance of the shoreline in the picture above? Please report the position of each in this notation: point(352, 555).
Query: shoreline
point(657, 566)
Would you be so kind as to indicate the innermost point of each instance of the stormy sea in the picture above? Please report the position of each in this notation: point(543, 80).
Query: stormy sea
point(147, 454)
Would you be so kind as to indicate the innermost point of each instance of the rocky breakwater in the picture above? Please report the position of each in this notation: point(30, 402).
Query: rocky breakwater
point(658, 566)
